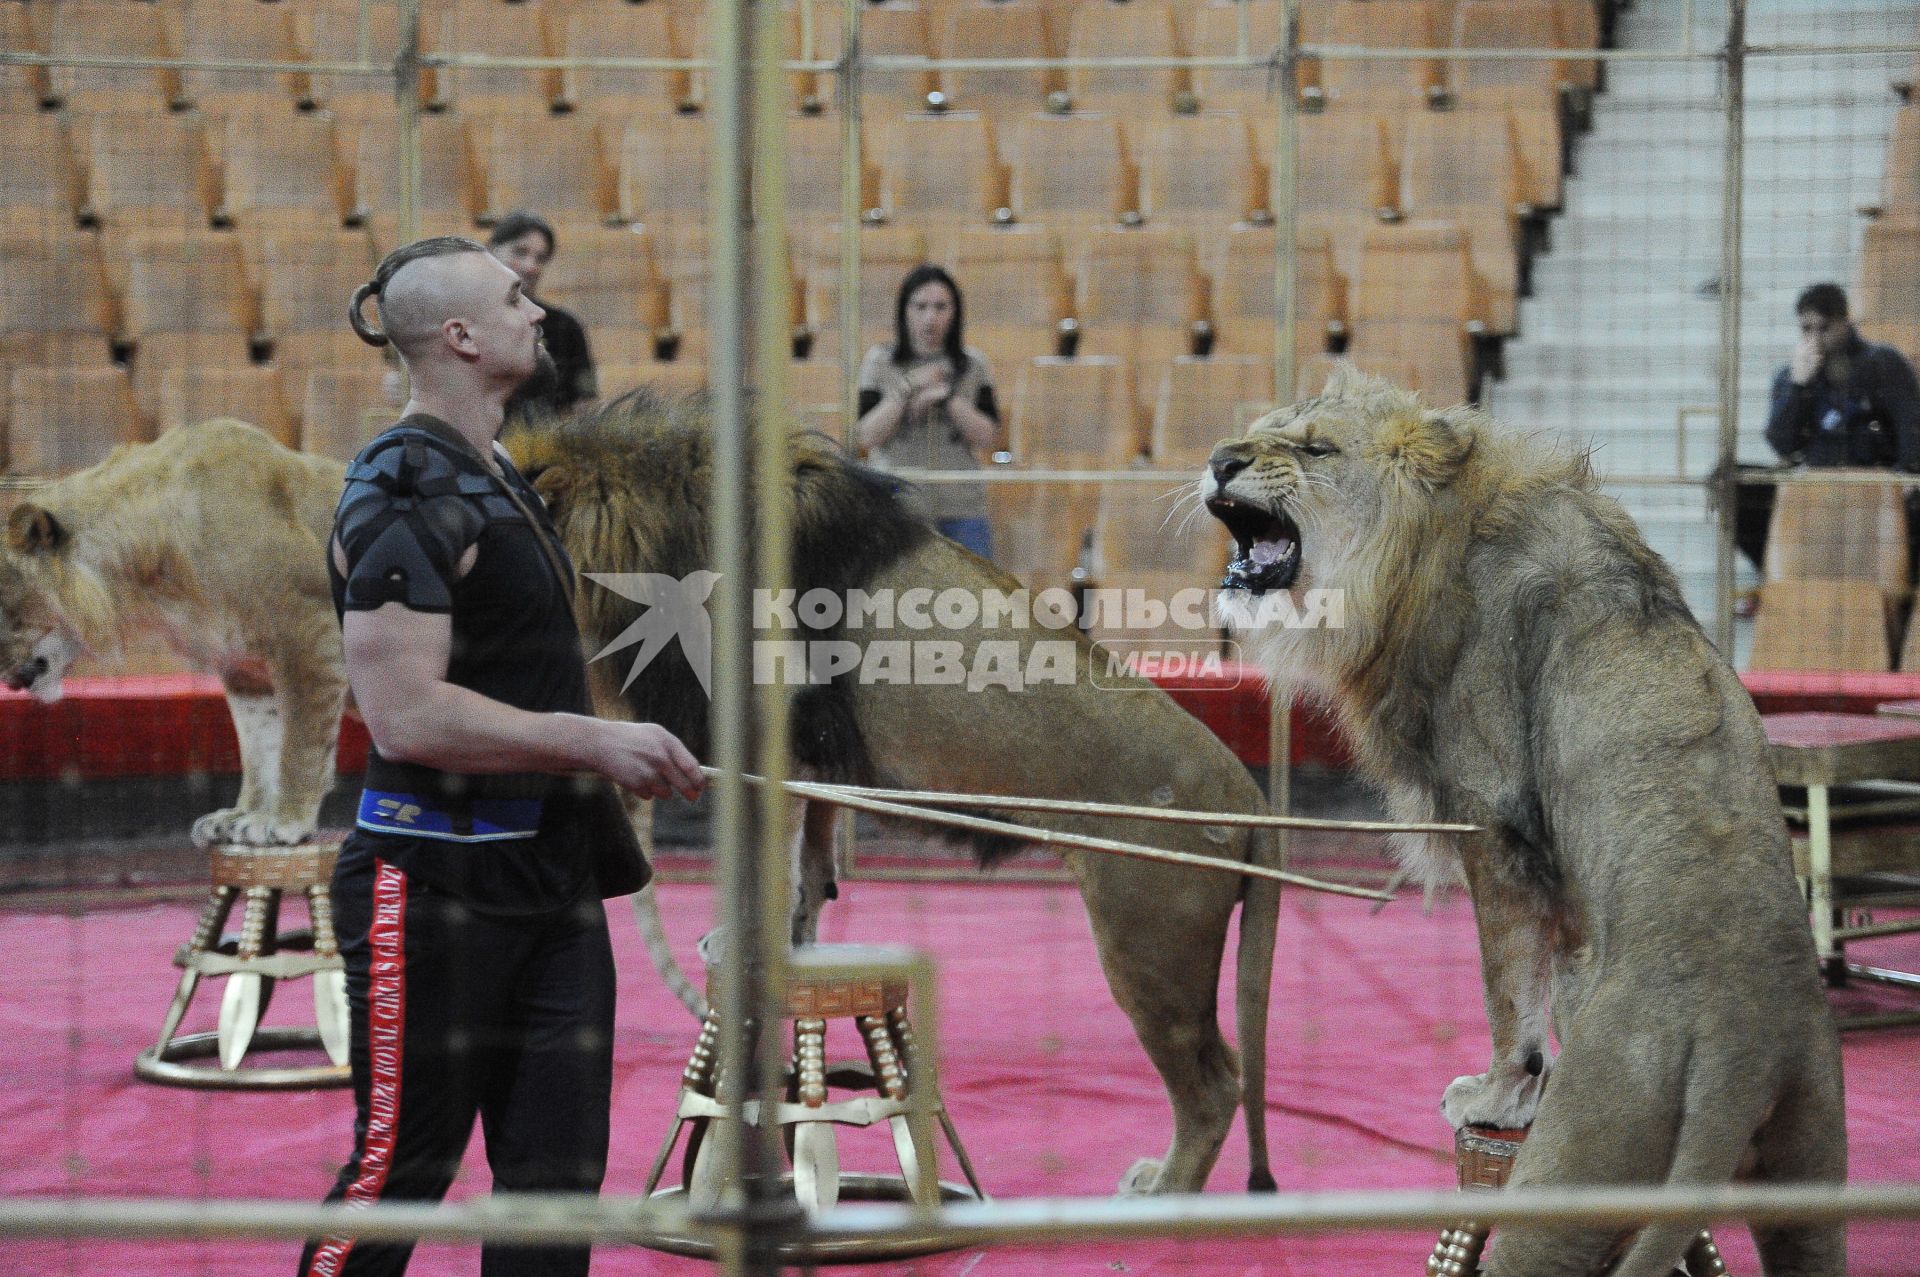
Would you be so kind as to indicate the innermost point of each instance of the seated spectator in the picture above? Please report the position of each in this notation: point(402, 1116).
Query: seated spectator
point(1841, 400)
point(565, 380)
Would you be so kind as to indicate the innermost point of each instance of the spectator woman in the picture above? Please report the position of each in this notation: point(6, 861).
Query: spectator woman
point(926, 401)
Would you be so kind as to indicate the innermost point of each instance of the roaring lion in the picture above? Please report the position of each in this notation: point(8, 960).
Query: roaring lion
point(213, 537)
point(628, 489)
point(1515, 657)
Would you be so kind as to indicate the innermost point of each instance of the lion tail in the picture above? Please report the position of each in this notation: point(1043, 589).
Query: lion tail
point(653, 934)
point(1253, 989)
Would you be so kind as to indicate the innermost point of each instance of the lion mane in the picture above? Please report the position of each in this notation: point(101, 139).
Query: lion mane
point(1516, 658)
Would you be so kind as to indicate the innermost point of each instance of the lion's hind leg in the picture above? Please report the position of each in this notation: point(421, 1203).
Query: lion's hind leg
point(1803, 1141)
point(1627, 1107)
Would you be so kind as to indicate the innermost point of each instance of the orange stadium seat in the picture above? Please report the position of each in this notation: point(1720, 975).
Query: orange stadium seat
point(814, 170)
point(306, 277)
point(65, 419)
point(490, 28)
point(1017, 293)
point(998, 29)
point(1204, 400)
point(235, 30)
point(146, 170)
point(662, 177)
point(282, 172)
point(895, 28)
point(1459, 166)
point(1900, 185)
point(1198, 173)
point(1578, 22)
point(553, 163)
point(1139, 294)
point(671, 380)
point(1245, 296)
point(1345, 176)
point(1071, 172)
point(1141, 543)
point(297, 354)
point(1821, 624)
point(1888, 295)
point(448, 191)
point(1074, 414)
point(684, 266)
point(817, 393)
point(1040, 530)
point(1124, 28)
point(1216, 34)
point(252, 394)
point(95, 29)
point(188, 301)
point(1385, 83)
point(1415, 299)
point(623, 31)
point(344, 408)
point(1840, 531)
point(40, 182)
point(55, 307)
point(1500, 82)
point(22, 88)
point(607, 277)
point(331, 33)
point(940, 172)
point(887, 253)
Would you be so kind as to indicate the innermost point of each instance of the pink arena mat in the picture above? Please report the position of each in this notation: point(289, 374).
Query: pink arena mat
point(1372, 1015)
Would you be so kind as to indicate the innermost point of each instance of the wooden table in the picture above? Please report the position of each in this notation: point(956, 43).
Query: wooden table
point(1822, 750)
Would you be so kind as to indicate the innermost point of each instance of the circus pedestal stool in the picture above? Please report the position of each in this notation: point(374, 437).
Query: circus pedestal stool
point(1484, 1156)
point(876, 1092)
point(252, 963)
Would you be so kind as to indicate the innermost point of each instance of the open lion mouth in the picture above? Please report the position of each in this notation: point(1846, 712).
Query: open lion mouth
point(1266, 546)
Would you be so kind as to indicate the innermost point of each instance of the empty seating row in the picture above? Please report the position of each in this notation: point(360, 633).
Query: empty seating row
point(60, 419)
point(332, 32)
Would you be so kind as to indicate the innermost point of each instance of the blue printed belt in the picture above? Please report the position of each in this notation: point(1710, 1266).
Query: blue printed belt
point(484, 820)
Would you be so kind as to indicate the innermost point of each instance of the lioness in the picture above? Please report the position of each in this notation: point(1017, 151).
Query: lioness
point(1515, 657)
point(628, 489)
point(212, 536)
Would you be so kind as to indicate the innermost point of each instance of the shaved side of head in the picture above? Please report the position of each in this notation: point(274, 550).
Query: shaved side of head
point(426, 292)
point(413, 300)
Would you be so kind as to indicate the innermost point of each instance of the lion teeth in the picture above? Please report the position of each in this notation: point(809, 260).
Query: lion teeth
point(1267, 553)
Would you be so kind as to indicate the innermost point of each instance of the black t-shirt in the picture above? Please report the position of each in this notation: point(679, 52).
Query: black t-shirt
point(514, 641)
point(569, 381)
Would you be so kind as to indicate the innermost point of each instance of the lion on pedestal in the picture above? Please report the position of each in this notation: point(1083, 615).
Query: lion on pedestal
point(1515, 657)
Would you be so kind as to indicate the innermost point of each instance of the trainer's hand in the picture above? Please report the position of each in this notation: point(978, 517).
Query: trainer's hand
point(649, 760)
point(1806, 360)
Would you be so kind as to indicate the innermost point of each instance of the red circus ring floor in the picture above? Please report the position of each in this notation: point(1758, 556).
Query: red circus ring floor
point(1372, 1015)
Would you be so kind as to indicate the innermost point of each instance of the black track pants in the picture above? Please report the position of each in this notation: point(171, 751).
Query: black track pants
point(457, 1014)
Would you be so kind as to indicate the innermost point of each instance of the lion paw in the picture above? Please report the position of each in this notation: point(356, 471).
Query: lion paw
point(1142, 1178)
point(247, 828)
point(1503, 1097)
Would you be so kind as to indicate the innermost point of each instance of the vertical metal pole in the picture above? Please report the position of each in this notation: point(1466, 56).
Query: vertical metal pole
point(1731, 213)
point(852, 165)
point(737, 1154)
point(406, 90)
point(773, 431)
point(1285, 210)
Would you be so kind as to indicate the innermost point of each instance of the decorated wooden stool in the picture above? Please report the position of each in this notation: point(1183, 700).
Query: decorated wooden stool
point(810, 1112)
point(1483, 1156)
point(252, 963)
